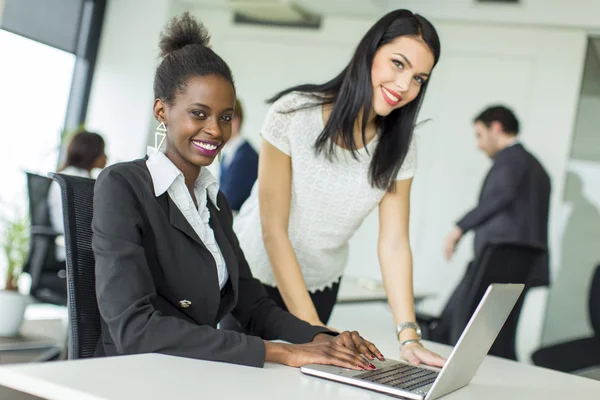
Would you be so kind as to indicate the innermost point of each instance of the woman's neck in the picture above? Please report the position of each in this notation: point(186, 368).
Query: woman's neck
point(371, 121)
point(371, 129)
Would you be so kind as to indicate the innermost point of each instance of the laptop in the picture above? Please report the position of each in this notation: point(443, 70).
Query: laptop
point(401, 379)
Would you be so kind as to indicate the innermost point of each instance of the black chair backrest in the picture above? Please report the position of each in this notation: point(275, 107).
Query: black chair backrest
point(41, 263)
point(41, 251)
point(594, 302)
point(38, 187)
point(499, 263)
point(84, 316)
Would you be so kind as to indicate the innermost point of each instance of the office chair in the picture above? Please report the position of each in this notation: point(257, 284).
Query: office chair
point(48, 283)
point(498, 263)
point(580, 354)
point(84, 316)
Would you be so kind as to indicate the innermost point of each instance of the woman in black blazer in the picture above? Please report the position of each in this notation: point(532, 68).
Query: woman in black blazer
point(168, 264)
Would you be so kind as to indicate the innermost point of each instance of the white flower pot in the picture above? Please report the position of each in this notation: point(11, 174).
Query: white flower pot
point(12, 311)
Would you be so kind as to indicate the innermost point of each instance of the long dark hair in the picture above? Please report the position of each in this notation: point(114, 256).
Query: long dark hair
point(351, 92)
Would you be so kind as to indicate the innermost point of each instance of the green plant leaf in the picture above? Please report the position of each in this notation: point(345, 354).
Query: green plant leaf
point(15, 244)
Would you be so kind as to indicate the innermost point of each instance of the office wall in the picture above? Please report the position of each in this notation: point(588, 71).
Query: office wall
point(554, 13)
point(586, 143)
point(578, 255)
point(121, 96)
point(557, 13)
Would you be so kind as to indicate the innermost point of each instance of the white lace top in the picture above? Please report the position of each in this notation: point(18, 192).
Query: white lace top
point(330, 199)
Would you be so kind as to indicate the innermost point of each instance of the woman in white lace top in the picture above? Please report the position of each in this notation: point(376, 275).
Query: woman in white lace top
point(331, 153)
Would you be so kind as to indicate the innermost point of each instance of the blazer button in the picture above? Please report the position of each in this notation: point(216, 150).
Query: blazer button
point(184, 303)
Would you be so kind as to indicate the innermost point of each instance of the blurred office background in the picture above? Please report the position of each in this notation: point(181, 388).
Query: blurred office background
point(92, 62)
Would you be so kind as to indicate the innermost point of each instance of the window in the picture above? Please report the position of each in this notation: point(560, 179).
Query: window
point(35, 82)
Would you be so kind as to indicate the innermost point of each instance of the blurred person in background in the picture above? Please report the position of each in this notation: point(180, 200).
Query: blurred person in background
point(85, 153)
point(239, 164)
point(515, 198)
point(513, 205)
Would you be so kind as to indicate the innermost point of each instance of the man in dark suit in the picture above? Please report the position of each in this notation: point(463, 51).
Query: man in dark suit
point(239, 165)
point(515, 198)
point(513, 207)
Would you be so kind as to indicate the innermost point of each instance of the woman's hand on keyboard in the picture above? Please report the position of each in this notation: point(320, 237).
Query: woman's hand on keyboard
point(356, 343)
point(416, 354)
point(343, 351)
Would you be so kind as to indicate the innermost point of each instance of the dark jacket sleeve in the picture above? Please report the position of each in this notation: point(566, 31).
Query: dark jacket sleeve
point(237, 184)
point(502, 189)
point(126, 292)
point(257, 313)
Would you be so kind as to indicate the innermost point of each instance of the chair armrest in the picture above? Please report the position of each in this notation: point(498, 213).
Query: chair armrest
point(43, 231)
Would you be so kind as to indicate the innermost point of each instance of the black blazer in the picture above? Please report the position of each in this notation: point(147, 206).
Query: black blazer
point(513, 206)
point(157, 284)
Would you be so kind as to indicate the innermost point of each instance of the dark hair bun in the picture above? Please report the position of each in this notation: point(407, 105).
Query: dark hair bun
point(182, 31)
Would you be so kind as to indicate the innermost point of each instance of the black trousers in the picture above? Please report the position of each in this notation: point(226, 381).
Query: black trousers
point(324, 301)
point(449, 326)
point(454, 319)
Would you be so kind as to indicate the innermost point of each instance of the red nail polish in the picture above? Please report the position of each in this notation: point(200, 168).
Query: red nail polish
point(372, 366)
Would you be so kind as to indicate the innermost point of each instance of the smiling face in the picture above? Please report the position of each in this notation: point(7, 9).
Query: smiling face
point(399, 70)
point(198, 122)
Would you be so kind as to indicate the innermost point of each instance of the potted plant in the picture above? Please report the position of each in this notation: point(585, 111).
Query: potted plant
point(15, 246)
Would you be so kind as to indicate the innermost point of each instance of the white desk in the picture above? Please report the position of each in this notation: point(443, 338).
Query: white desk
point(361, 290)
point(154, 376)
point(354, 289)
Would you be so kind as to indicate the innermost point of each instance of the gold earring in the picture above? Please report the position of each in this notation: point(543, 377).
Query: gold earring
point(219, 157)
point(161, 131)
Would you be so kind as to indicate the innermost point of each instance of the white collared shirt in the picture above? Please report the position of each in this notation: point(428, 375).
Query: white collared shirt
point(513, 142)
point(166, 177)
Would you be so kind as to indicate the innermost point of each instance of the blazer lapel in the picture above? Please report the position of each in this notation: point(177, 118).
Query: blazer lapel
point(226, 250)
point(177, 220)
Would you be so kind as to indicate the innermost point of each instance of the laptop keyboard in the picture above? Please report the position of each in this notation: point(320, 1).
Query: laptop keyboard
point(401, 376)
